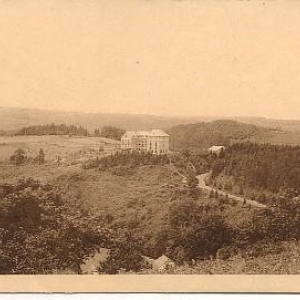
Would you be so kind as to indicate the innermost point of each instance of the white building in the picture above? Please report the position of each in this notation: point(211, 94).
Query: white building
point(163, 263)
point(155, 141)
point(216, 149)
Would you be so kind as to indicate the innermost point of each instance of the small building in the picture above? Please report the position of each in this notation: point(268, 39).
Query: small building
point(216, 149)
point(163, 263)
point(155, 141)
point(148, 261)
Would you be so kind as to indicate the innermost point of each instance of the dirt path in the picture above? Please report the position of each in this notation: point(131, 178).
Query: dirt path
point(202, 185)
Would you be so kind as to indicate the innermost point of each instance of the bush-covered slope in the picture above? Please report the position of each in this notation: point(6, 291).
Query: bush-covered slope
point(137, 210)
point(40, 234)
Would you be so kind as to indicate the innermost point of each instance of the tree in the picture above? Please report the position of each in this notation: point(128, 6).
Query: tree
point(241, 191)
point(41, 157)
point(228, 186)
point(126, 254)
point(185, 153)
point(112, 132)
point(281, 223)
point(25, 213)
point(208, 237)
point(19, 157)
point(97, 132)
point(226, 199)
point(262, 198)
point(197, 230)
point(192, 182)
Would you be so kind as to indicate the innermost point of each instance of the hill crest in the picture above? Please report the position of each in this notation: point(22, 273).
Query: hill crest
point(220, 132)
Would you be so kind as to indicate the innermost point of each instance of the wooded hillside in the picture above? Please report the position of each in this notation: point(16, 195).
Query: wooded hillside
point(266, 168)
point(203, 135)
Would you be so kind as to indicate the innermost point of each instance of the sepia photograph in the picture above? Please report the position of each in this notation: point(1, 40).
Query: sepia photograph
point(149, 140)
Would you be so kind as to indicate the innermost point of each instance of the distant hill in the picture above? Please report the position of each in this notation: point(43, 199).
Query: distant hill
point(284, 125)
point(220, 132)
point(16, 118)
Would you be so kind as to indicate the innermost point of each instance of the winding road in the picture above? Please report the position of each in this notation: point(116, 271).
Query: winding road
point(204, 186)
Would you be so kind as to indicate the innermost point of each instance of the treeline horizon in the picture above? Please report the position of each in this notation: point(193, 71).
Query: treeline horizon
point(108, 131)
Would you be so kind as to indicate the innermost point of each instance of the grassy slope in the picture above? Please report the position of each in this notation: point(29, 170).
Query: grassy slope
point(143, 197)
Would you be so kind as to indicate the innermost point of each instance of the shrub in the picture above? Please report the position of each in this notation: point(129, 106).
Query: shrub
point(19, 157)
point(262, 249)
point(234, 202)
point(199, 231)
point(126, 254)
point(227, 252)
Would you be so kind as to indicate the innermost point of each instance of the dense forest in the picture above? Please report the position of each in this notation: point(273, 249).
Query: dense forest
point(53, 129)
point(267, 169)
point(200, 136)
point(110, 132)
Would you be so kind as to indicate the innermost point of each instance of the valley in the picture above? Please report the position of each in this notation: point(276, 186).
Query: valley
point(204, 213)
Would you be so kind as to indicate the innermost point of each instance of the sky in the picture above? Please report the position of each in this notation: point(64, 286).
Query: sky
point(163, 57)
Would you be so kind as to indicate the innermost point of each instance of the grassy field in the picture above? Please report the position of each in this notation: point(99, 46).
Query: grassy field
point(70, 149)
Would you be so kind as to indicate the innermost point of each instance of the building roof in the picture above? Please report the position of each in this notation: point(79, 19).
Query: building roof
point(161, 261)
point(154, 132)
point(158, 132)
point(215, 148)
point(148, 259)
point(139, 133)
